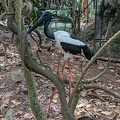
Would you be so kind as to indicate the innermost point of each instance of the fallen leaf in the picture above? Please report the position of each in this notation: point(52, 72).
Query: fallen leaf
point(8, 95)
point(53, 54)
point(84, 93)
point(100, 68)
point(97, 102)
point(34, 47)
point(19, 80)
point(54, 101)
point(55, 96)
point(7, 69)
point(80, 105)
point(83, 109)
point(15, 102)
point(117, 80)
point(2, 76)
point(99, 110)
point(112, 70)
point(88, 106)
point(112, 106)
point(28, 116)
point(106, 113)
point(6, 101)
point(3, 85)
point(76, 113)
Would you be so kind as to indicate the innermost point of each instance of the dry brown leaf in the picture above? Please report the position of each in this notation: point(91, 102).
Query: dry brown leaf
point(34, 47)
point(97, 102)
point(2, 76)
point(76, 113)
point(106, 113)
point(53, 54)
point(88, 106)
point(100, 68)
point(84, 93)
point(3, 85)
point(111, 70)
point(99, 110)
point(7, 68)
point(28, 116)
point(18, 80)
point(54, 101)
point(118, 80)
point(80, 105)
point(112, 106)
point(6, 101)
point(83, 109)
point(15, 102)
point(98, 114)
point(8, 95)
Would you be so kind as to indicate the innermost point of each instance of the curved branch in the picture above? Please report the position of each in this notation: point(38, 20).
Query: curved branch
point(100, 74)
point(96, 86)
point(34, 66)
point(104, 99)
point(12, 25)
point(5, 6)
point(39, 37)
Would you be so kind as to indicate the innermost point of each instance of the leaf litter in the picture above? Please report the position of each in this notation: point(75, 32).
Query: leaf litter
point(14, 94)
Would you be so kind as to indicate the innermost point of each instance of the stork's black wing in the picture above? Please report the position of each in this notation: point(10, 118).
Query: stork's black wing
point(77, 49)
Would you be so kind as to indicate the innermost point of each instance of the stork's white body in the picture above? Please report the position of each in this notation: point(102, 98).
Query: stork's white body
point(63, 36)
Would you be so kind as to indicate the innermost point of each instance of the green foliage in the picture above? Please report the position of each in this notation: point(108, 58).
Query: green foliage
point(38, 7)
point(64, 11)
point(35, 14)
point(92, 11)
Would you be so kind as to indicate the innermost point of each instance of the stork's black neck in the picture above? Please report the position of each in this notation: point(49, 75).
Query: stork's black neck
point(47, 33)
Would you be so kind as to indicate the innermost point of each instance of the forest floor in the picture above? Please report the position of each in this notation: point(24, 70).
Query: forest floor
point(14, 94)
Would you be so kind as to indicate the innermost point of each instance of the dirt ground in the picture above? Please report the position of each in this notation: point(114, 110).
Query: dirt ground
point(14, 94)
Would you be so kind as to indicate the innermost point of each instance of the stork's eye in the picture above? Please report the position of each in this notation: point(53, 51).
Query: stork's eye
point(45, 15)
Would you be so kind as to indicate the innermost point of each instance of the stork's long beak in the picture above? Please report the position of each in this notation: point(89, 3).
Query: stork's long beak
point(38, 22)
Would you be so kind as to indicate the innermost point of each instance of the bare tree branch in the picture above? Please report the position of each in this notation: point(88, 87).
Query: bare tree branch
point(100, 74)
point(96, 86)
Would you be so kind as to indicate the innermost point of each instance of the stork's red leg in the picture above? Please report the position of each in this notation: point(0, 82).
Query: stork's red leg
point(62, 75)
point(70, 80)
point(46, 108)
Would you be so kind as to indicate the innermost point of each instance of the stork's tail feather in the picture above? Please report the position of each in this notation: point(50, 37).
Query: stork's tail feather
point(88, 53)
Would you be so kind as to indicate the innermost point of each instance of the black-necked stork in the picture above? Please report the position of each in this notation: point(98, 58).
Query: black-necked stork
point(69, 44)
